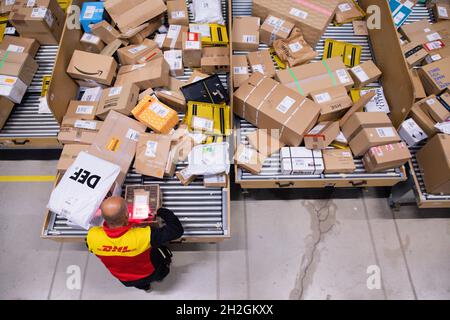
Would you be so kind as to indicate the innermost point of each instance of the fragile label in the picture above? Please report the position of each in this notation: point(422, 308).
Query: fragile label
point(178, 14)
point(343, 76)
point(15, 48)
point(150, 150)
point(137, 49)
point(434, 36)
point(385, 132)
point(83, 124)
point(240, 70)
point(323, 97)
point(132, 135)
point(442, 11)
point(159, 109)
point(360, 73)
point(377, 151)
point(84, 110)
point(298, 13)
point(202, 124)
point(89, 12)
point(285, 104)
point(295, 47)
point(247, 38)
point(344, 7)
point(114, 91)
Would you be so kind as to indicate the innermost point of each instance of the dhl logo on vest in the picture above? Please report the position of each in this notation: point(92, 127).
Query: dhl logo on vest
point(123, 249)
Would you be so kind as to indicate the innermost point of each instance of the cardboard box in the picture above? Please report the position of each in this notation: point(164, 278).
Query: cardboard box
point(215, 181)
point(179, 151)
point(79, 110)
point(363, 120)
point(215, 60)
point(347, 11)
point(148, 92)
point(174, 59)
point(131, 54)
point(322, 135)
point(92, 94)
point(414, 53)
point(445, 98)
point(367, 72)
point(151, 154)
point(44, 21)
point(436, 76)
point(300, 160)
point(79, 132)
point(173, 96)
point(441, 11)
point(435, 109)
point(91, 13)
point(311, 17)
point(334, 102)
point(20, 65)
point(106, 32)
point(245, 33)
point(274, 28)
point(419, 90)
point(6, 107)
point(155, 115)
point(91, 66)
point(150, 27)
point(267, 104)
point(338, 161)
point(436, 151)
point(185, 177)
point(20, 45)
point(177, 12)
point(411, 133)
point(91, 43)
point(143, 202)
point(117, 140)
point(294, 50)
point(401, 10)
point(148, 75)
point(267, 142)
point(423, 119)
point(316, 76)
point(386, 157)
point(6, 6)
point(174, 37)
point(372, 137)
point(121, 99)
point(69, 154)
point(12, 88)
point(261, 61)
point(197, 76)
point(130, 14)
point(249, 159)
point(192, 49)
point(422, 31)
point(240, 69)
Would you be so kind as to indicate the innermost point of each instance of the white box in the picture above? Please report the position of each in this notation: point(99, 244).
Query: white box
point(299, 152)
point(12, 88)
point(411, 133)
point(92, 94)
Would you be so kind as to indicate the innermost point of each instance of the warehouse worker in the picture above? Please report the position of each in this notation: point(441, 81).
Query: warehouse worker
point(134, 255)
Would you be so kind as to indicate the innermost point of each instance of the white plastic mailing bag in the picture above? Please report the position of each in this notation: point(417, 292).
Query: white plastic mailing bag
point(209, 159)
point(82, 189)
point(207, 11)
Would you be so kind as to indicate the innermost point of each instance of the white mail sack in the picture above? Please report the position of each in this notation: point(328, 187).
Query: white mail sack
point(82, 189)
point(209, 159)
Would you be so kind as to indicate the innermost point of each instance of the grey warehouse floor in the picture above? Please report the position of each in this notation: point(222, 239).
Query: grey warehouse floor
point(285, 245)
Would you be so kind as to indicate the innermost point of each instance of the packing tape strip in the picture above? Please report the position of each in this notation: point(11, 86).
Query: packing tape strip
point(262, 101)
point(330, 73)
point(248, 96)
point(297, 83)
point(290, 117)
point(2, 62)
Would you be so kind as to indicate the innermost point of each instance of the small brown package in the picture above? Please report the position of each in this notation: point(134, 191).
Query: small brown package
point(91, 43)
point(91, 66)
point(120, 98)
point(367, 72)
point(274, 28)
point(177, 12)
point(152, 152)
point(334, 102)
point(338, 161)
point(245, 33)
point(215, 60)
point(322, 135)
point(390, 156)
point(261, 61)
point(240, 69)
point(294, 50)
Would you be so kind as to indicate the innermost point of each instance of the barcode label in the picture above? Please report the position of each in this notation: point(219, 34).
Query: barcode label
point(89, 12)
point(159, 39)
point(38, 12)
point(360, 73)
point(344, 7)
point(436, 57)
point(87, 37)
point(434, 45)
point(10, 2)
point(399, 17)
point(442, 11)
point(246, 156)
point(30, 3)
point(258, 68)
point(15, 48)
point(295, 47)
point(192, 45)
point(249, 38)
point(150, 150)
point(83, 124)
point(10, 30)
point(178, 14)
point(317, 129)
point(434, 36)
point(137, 66)
point(202, 124)
point(430, 102)
point(323, 97)
point(285, 104)
point(385, 132)
point(275, 22)
point(240, 70)
point(173, 32)
point(84, 110)
point(203, 29)
point(137, 49)
point(132, 135)
point(343, 76)
point(159, 109)
point(408, 4)
point(298, 13)
point(114, 91)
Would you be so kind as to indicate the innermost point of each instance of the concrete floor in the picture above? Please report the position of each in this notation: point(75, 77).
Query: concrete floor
point(285, 245)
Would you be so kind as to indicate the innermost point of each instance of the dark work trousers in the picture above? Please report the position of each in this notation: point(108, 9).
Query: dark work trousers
point(161, 258)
